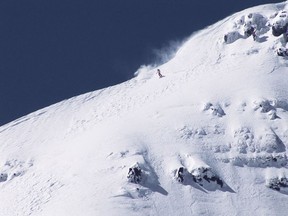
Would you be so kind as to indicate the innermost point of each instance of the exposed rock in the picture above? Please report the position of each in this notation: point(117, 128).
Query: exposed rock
point(277, 184)
point(216, 109)
point(205, 175)
point(3, 177)
point(267, 160)
point(180, 174)
point(135, 174)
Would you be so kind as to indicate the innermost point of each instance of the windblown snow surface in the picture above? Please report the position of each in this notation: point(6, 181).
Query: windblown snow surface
point(220, 113)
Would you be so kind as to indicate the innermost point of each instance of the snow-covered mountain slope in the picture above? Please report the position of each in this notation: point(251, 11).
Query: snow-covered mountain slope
point(209, 138)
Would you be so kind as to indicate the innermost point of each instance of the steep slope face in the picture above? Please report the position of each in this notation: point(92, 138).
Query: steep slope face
point(209, 138)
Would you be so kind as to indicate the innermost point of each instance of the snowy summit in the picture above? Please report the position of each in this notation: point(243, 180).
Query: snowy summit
point(208, 138)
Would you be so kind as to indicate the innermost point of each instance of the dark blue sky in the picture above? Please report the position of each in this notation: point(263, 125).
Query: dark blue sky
point(51, 50)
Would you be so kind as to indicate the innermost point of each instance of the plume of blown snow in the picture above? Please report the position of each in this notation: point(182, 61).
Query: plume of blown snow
point(167, 52)
point(162, 55)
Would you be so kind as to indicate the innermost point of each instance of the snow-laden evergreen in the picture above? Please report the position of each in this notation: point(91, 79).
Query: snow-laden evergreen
point(208, 138)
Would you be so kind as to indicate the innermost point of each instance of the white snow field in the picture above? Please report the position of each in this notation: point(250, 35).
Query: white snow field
point(209, 138)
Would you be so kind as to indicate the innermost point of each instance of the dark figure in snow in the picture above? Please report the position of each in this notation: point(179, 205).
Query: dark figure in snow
point(159, 73)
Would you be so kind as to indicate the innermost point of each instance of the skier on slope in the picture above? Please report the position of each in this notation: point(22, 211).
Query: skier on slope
point(159, 73)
